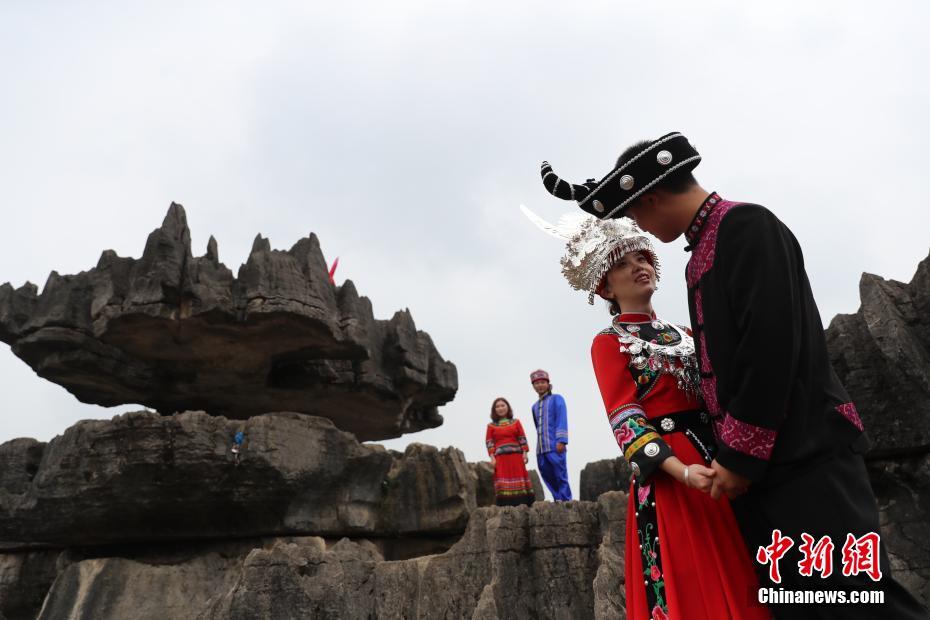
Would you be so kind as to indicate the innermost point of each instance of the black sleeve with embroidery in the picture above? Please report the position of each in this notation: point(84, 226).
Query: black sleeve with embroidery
point(751, 303)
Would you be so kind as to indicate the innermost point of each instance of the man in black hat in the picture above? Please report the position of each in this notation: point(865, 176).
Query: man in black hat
point(790, 441)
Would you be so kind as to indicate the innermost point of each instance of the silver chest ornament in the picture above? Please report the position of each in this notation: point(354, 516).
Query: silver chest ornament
point(677, 359)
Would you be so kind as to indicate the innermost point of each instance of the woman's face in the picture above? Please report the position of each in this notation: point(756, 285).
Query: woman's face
point(632, 278)
point(500, 409)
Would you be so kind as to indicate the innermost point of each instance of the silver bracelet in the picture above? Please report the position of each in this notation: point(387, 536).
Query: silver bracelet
point(687, 483)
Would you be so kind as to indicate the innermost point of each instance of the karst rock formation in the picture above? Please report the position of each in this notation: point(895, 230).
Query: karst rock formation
point(174, 332)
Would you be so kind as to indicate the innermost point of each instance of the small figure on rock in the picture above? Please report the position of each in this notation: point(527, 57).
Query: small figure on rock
point(507, 447)
point(237, 444)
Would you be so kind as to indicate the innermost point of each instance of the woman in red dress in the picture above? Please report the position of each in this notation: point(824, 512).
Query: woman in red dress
point(507, 447)
point(685, 557)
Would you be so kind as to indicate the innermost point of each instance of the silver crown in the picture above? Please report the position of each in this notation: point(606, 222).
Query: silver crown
point(593, 246)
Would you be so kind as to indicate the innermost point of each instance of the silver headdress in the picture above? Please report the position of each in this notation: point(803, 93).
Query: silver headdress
point(593, 246)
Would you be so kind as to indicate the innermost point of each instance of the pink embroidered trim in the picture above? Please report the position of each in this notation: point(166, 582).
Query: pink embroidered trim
point(699, 307)
point(702, 257)
point(747, 438)
point(848, 411)
point(705, 358)
point(709, 389)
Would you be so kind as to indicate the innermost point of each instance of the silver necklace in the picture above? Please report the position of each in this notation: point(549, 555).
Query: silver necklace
point(677, 359)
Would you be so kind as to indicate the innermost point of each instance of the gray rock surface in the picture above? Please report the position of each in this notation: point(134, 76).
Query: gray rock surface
point(176, 332)
point(902, 487)
point(117, 587)
point(25, 579)
point(19, 463)
point(609, 581)
point(547, 561)
point(598, 477)
point(147, 477)
point(882, 355)
point(536, 562)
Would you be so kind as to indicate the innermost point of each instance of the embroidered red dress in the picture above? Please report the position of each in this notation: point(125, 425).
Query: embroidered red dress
point(506, 442)
point(685, 558)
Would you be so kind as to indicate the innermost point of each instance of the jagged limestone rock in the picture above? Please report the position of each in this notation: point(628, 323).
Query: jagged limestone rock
point(523, 563)
point(176, 332)
point(598, 477)
point(882, 355)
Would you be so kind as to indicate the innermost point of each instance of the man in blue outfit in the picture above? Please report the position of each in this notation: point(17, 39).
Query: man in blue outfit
point(237, 443)
point(551, 418)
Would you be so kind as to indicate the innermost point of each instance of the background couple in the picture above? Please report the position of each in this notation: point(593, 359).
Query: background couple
point(506, 443)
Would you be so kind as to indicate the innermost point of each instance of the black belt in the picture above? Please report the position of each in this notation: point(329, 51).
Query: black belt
point(696, 420)
point(695, 424)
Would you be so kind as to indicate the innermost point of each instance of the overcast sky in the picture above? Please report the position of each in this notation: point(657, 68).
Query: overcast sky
point(405, 134)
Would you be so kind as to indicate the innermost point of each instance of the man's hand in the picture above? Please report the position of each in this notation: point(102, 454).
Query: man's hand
point(493, 463)
point(526, 458)
point(560, 447)
point(727, 482)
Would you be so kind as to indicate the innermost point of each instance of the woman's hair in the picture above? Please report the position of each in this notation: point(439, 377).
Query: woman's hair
point(494, 416)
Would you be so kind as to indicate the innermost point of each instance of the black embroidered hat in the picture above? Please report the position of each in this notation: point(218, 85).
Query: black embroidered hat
point(611, 196)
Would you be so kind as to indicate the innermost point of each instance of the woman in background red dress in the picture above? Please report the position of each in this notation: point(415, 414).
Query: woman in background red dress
point(507, 447)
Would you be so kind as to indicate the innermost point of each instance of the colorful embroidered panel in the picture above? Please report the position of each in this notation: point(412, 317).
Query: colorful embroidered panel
point(507, 448)
point(709, 390)
point(631, 429)
point(647, 529)
point(705, 357)
point(702, 258)
point(747, 438)
point(513, 486)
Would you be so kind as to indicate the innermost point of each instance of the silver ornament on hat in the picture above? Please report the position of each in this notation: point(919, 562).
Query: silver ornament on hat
point(626, 182)
point(593, 246)
point(664, 157)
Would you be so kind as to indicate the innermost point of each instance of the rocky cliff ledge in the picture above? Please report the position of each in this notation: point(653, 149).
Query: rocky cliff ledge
point(147, 477)
point(175, 333)
point(560, 561)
